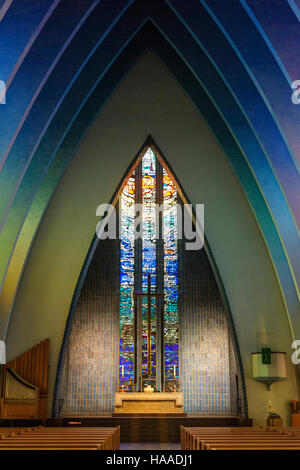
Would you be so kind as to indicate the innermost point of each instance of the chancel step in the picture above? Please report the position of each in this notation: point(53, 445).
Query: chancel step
point(150, 429)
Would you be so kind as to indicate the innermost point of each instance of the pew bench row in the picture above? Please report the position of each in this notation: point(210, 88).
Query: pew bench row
point(63, 438)
point(239, 438)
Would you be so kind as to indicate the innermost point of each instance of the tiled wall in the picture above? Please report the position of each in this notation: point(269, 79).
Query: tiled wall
point(88, 377)
point(204, 339)
point(88, 373)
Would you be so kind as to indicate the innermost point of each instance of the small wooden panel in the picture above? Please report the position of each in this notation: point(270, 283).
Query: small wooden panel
point(275, 422)
point(20, 411)
point(295, 413)
point(295, 418)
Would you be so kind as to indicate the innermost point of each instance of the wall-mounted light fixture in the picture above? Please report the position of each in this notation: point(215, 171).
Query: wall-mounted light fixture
point(269, 366)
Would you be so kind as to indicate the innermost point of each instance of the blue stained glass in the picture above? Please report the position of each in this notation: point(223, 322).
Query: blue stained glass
point(171, 324)
point(126, 363)
point(170, 276)
point(148, 267)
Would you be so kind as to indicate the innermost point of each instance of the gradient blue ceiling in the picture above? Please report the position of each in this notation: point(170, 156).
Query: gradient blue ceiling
point(63, 59)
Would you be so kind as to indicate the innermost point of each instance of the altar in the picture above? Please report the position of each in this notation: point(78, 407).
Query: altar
point(149, 403)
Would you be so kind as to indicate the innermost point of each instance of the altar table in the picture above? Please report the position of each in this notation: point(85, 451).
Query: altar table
point(145, 402)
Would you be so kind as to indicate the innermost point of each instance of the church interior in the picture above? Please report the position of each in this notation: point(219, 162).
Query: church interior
point(149, 238)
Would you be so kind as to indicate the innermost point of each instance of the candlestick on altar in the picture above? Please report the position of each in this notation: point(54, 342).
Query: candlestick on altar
point(122, 371)
point(174, 371)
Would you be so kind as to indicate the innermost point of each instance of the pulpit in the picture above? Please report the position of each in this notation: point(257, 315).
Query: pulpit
point(149, 403)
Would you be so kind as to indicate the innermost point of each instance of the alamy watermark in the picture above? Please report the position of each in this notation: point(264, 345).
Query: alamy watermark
point(296, 94)
point(191, 231)
point(2, 92)
point(296, 354)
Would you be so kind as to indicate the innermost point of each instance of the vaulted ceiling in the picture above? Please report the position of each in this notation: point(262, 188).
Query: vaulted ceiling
point(61, 60)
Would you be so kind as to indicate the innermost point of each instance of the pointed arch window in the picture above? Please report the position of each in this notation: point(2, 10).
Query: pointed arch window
point(147, 310)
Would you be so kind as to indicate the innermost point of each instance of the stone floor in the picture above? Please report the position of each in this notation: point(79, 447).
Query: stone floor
point(150, 446)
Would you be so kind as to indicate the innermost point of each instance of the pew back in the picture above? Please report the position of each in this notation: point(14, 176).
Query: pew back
point(40, 438)
point(239, 438)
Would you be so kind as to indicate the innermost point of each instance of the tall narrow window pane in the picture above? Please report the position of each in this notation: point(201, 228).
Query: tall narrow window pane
point(149, 325)
point(127, 334)
point(171, 369)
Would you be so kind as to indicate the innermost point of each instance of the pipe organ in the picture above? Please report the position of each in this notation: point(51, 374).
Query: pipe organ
point(24, 384)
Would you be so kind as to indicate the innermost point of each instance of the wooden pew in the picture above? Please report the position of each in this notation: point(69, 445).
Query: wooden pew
point(188, 434)
point(193, 435)
point(61, 439)
point(239, 439)
point(99, 438)
point(13, 431)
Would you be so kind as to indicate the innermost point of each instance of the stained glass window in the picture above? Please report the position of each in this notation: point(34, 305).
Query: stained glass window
point(149, 327)
point(127, 333)
point(171, 368)
point(141, 334)
point(136, 295)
